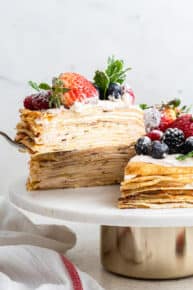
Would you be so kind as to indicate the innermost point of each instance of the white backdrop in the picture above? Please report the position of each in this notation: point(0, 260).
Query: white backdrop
point(41, 38)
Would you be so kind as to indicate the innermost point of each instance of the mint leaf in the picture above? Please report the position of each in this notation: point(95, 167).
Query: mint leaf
point(114, 67)
point(143, 106)
point(186, 109)
point(174, 103)
point(34, 85)
point(44, 86)
point(114, 73)
point(101, 80)
point(115, 70)
point(185, 156)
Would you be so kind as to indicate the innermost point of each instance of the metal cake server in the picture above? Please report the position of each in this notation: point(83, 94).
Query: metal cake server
point(11, 141)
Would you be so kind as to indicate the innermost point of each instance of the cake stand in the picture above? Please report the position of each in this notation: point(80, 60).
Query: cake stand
point(140, 243)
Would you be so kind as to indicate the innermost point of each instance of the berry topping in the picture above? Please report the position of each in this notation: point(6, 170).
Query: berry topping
point(79, 89)
point(155, 135)
point(114, 91)
point(168, 115)
point(152, 118)
point(174, 138)
point(159, 149)
point(162, 116)
point(188, 145)
point(38, 101)
point(143, 145)
point(115, 74)
point(185, 123)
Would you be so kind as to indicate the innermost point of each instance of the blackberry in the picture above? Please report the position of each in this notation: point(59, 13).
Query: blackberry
point(143, 145)
point(159, 149)
point(175, 139)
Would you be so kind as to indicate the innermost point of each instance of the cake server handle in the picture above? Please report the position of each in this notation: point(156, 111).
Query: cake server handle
point(11, 141)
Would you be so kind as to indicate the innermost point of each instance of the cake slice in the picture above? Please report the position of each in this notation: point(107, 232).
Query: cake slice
point(161, 175)
point(78, 134)
point(72, 149)
point(153, 183)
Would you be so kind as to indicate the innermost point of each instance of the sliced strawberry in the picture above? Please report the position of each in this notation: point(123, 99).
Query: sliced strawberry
point(79, 89)
point(168, 115)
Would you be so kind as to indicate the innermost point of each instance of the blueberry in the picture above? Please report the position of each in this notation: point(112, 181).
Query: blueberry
point(114, 90)
point(188, 145)
point(143, 145)
point(159, 149)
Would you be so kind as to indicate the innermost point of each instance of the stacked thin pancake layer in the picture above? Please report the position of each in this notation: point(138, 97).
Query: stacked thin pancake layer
point(72, 149)
point(149, 183)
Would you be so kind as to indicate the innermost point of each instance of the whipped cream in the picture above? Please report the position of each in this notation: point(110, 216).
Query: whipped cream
point(106, 105)
point(169, 160)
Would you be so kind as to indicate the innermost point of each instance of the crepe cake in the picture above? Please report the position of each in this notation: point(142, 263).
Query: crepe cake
point(161, 174)
point(80, 133)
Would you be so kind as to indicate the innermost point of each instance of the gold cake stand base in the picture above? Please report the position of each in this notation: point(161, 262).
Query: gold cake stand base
point(148, 253)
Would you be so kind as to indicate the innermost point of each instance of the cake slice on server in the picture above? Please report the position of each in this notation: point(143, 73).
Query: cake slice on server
point(161, 174)
point(80, 133)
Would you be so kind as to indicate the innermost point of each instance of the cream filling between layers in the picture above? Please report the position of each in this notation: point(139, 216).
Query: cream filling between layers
point(92, 126)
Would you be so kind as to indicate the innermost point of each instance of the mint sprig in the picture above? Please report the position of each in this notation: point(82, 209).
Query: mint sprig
point(185, 156)
point(114, 73)
point(56, 90)
point(143, 106)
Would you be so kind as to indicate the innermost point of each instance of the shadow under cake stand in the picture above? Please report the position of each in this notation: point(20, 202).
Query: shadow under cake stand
point(140, 243)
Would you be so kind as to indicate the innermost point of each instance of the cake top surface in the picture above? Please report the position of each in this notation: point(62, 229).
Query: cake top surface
point(74, 113)
point(73, 91)
point(169, 135)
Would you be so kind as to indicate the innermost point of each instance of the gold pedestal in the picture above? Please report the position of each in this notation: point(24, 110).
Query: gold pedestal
point(148, 253)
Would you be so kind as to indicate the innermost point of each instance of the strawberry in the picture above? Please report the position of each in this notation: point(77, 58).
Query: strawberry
point(79, 89)
point(185, 123)
point(168, 115)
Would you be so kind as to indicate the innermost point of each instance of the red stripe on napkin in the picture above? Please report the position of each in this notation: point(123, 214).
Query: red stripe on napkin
point(76, 282)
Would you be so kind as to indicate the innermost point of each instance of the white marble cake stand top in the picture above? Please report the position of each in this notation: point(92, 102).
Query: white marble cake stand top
point(95, 205)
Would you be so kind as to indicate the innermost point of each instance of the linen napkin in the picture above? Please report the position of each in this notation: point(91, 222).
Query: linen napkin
point(31, 256)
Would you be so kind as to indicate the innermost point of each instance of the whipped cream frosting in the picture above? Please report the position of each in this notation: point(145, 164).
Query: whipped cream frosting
point(169, 160)
point(106, 105)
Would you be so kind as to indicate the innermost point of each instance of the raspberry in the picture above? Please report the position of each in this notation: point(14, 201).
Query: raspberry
point(38, 101)
point(28, 102)
point(80, 89)
point(175, 139)
point(185, 123)
point(155, 135)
